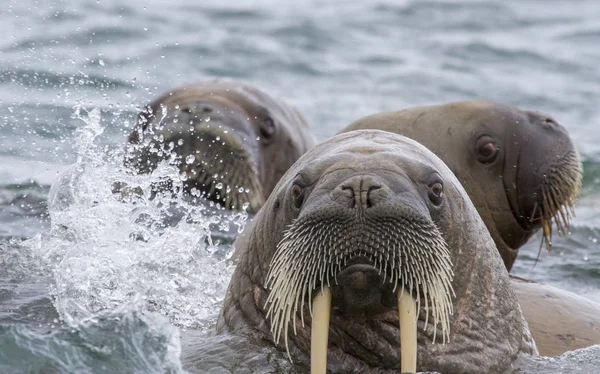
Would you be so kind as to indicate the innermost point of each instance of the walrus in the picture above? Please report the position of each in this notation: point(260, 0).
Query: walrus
point(359, 224)
point(231, 140)
point(511, 162)
point(519, 167)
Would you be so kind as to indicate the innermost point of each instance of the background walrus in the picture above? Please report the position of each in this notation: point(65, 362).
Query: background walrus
point(519, 167)
point(231, 140)
point(370, 214)
point(521, 171)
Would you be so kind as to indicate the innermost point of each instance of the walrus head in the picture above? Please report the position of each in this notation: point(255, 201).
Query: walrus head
point(231, 141)
point(373, 216)
point(520, 168)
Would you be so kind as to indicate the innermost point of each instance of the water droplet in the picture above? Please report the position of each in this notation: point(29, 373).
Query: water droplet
point(586, 258)
point(101, 62)
point(245, 206)
point(183, 177)
point(180, 142)
point(190, 159)
point(218, 138)
point(207, 119)
point(241, 189)
point(219, 186)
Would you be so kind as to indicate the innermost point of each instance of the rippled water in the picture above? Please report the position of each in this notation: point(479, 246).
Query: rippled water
point(134, 286)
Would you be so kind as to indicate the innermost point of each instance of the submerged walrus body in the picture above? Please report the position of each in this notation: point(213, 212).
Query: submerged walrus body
point(372, 216)
point(519, 167)
point(560, 321)
point(231, 140)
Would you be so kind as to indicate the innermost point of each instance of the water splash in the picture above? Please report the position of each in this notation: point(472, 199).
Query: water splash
point(105, 248)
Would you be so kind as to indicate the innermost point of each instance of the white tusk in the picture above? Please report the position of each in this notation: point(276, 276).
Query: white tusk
point(320, 331)
point(408, 332)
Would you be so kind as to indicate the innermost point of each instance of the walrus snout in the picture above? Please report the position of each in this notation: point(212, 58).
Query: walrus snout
point(224, 168)
point(361, 192)
point(217, 160)
point(549, 177)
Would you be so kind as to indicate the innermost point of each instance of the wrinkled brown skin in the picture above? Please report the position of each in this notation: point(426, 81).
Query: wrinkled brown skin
point(268, 133)
point(559, 320)
point(529, 145)
point(488, 330)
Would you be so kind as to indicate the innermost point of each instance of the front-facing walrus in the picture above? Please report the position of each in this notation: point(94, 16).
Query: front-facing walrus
point(373, 217)
point(519, 167)
point(231, 140)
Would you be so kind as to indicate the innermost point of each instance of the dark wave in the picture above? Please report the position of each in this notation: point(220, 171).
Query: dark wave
point(471, 16)
point(142, 345)
point(49, 79)
point(23, 209)
point(582, 36)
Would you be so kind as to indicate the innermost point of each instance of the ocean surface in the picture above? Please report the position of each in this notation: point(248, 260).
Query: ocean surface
point(89, 284)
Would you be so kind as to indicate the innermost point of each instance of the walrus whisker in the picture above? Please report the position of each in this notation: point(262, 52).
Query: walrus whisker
point(289, 287)
point(559, 193)
point(229, 193)
point(532, 216)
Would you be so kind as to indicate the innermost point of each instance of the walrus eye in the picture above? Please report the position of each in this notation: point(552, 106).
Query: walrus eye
point(436, 192)
point(487, 150)
point(267, 129)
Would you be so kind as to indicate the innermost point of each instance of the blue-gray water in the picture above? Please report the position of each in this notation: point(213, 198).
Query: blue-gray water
point(87, 295)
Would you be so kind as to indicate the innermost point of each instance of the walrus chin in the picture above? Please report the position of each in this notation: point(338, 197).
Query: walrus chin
point(365, 272)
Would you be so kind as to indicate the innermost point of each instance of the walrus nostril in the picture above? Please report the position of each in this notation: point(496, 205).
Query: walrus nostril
point(549, 123)
point(371, 197)
point(363, 192)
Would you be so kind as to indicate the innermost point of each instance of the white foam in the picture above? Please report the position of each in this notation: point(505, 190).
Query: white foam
point(104, 249)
